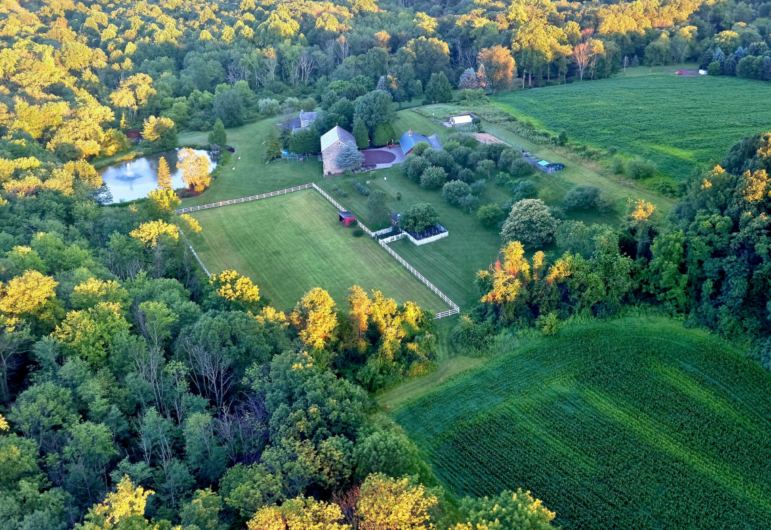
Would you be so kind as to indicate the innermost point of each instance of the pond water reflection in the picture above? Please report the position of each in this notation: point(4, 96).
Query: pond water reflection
point(134, 179)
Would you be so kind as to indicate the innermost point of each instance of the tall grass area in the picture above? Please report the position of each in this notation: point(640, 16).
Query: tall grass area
point(679, 123)
point(292, 243)
point(633, 423)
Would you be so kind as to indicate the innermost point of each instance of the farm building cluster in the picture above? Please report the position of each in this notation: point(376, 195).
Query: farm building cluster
point(335, 140)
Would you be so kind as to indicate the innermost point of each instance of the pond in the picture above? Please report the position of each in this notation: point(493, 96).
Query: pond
point(134, 179)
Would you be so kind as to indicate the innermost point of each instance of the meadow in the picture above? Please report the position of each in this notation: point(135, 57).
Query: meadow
point(292, 243)
point(632, 423)
point(677, 122)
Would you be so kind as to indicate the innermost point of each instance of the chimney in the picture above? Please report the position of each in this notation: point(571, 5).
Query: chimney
point(410, 133)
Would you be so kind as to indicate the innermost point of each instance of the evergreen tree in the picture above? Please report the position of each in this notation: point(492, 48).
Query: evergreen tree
point(468, 79)
point(439, 89)
point(218, 136)
point(273, 146)
point(350, 159)
point(482, 80)
point(164, 175)
point(382, 85)
point(360, 133)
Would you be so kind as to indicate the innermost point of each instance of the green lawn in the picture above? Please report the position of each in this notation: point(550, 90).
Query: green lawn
point(252, 175)
point(452, 263)
point(292, 243)
point(632, 423)
point(449, 263)
point(679, 123)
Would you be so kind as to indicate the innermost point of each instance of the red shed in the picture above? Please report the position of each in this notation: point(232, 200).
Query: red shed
point(346, 218)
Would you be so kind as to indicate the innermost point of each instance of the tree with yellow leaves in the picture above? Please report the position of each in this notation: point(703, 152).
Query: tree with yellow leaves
point(238, 290)
point(164, 201)
point(133, 93)
point(88, 334)
point(164, 175)
point(27, 294)
point(94, 291)
point(160, 131)
point(149, 233)
point(315, 318)
point(388, 320)
point(511, 509)
point(3, 423)
point(126, 503)
point(191, 224)
point(387, 503)
point(301, 513)
point(361, 307)
point(195, 169)
point(640, 211)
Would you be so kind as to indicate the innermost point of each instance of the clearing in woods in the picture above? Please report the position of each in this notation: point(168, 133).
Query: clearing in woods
point(292, 243)
point(633, 423)
point(677, 122)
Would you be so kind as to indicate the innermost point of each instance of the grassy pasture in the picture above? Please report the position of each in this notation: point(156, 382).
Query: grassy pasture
point(292, 243)
point(449, 263)
point(634, 423)
point(677, 122)
point(252, 175)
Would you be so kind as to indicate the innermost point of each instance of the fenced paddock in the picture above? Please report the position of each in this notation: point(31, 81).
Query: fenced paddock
point(296, 250)
point(454, 309)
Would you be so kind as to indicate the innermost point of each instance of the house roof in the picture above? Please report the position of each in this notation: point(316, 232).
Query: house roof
point(306, 118)
point(336, 134)
point(410, 139)
point(346, 215)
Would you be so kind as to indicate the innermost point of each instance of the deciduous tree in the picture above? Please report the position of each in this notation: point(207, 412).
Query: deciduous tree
point(164, 175)
point(195, 169)
point(315, 318)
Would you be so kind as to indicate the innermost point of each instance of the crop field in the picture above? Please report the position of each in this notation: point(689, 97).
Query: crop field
point(634, 423)
point(677, 122)
point(292, 243)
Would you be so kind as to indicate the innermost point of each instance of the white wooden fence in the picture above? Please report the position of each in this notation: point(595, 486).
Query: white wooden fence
point(243, 199)
point(454, 309)
point(200, 262)
point(384, 243)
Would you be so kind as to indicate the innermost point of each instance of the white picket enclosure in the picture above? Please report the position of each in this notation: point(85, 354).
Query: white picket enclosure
point(243, 199)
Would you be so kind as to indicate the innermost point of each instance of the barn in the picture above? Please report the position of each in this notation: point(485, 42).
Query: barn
point(409, 140)
point(346, 218)
point(332, 143)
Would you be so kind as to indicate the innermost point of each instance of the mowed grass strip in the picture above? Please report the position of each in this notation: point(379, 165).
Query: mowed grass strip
point(633, 423)
point(292, 243)
point(679, 123)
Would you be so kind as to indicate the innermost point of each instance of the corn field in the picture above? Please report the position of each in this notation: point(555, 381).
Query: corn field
point(631, 424)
